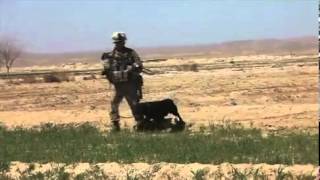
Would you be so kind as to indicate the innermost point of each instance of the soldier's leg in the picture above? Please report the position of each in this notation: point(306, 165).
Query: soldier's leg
point(114, 114)
point(133, 99)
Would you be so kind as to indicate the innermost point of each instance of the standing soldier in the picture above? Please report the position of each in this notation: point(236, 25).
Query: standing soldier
point(122, 67)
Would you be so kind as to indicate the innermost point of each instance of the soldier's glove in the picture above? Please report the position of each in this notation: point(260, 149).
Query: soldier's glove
point(137, 67)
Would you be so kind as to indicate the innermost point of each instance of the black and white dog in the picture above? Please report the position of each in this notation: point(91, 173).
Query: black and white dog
point(153, 116)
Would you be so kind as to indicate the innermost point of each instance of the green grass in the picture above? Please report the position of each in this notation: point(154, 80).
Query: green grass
point(234, 144)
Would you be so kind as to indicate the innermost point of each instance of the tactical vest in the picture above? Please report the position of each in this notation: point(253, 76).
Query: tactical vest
point(119, 63)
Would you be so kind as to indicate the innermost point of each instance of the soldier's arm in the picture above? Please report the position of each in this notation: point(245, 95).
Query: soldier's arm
point(138, 66)
point(105, 62)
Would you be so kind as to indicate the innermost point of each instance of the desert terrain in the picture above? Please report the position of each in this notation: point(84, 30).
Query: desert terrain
point(275, 93)
point(267, 92)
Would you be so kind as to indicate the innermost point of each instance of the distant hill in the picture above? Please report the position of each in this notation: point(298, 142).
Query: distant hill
point(301, 45)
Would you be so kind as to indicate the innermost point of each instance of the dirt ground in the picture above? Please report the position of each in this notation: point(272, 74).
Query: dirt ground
point(268, 92)
point(160, 171)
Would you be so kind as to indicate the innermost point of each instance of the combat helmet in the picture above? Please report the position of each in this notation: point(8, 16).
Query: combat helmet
point(119, 36)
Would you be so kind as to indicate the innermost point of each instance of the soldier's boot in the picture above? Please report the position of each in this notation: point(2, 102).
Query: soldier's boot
point(115, 119)
point(139, 122)
point(115, 126)
point(139, 126)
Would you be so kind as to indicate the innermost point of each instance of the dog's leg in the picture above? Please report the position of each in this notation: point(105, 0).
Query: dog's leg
point(180, 118)
point(176, 113)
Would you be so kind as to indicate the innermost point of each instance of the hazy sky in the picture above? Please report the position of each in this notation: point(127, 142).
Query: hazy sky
point(70, 25)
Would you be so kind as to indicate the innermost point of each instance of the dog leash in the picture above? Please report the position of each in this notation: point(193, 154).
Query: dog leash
point(126, 117)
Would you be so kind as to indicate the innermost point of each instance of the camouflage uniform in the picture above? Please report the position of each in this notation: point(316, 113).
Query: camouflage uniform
point(129, 89)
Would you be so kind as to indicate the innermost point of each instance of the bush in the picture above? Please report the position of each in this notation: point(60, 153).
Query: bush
point(188, 67)
point(57, 77)
point(90, 77)
point(29, 79)
point(194, 67)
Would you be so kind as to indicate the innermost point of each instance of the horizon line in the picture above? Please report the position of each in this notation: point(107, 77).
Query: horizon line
point(177, 45)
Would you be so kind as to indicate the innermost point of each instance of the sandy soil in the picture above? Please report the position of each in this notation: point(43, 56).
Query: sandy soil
point(268, 92)
point(161, 171)
point(280, 94)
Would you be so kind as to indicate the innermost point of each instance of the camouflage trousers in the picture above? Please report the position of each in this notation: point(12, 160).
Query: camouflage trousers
point(131, 93)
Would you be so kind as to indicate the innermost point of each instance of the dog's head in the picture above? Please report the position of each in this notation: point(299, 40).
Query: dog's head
point(179, 125)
